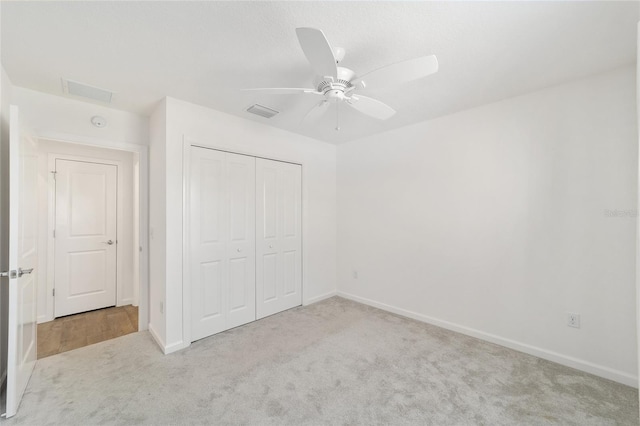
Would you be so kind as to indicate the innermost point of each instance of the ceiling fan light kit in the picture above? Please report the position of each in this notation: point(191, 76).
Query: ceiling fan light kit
point(338, 85)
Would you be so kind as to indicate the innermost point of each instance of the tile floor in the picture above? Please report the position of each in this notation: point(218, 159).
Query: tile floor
point(75, 331)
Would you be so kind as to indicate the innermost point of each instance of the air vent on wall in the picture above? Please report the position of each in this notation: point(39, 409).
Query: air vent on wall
point(85, 91)
point(262, 111)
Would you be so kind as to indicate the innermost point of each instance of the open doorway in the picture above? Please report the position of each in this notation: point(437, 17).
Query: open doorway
point(89, 244)
point(78, 330)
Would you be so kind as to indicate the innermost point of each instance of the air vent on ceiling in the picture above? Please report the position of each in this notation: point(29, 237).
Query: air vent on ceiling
point(85, 91)
point(262, 111)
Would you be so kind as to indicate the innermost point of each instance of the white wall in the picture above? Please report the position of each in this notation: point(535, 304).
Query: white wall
point(58, 117)
point(215, 129)
point(126, 279)
point(493, 222)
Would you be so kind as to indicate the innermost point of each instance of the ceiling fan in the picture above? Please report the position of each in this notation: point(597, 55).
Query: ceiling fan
point(338, 85)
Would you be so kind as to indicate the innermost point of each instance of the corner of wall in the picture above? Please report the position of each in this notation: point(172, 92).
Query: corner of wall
point(157, 223)
point(464, 202)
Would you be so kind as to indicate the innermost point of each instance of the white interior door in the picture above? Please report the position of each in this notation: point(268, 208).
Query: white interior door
point(222, 240)
point(279, 236)
point(23, 256)
point(85, 236)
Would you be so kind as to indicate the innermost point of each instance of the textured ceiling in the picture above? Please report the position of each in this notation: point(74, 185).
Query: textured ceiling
point(204, 52)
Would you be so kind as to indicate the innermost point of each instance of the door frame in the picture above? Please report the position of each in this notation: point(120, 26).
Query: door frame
point(141, 226)
point(51, 225)
point(187, 143)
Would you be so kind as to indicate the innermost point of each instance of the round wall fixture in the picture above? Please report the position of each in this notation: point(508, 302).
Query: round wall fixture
point(98, 121)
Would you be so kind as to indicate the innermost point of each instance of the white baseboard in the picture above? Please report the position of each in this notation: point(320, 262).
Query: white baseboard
point(578, 364)
point(175, 347)
point(316, 299)
point(157, 338)
point(166, 349)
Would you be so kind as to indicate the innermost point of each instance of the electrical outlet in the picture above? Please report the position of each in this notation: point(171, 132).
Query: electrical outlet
point(573, 320)
point(355, 275)
point(162, 307)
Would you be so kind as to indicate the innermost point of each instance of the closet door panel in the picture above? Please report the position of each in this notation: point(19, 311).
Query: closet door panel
point(291, 240)
point(210, 296)
point(238, 284)
point(279, 241)
point(222, 241)
point(208, 237)
point(290, 271)
point(291, 203)
point(241, 244)
point(269, 278)
point(268, 208)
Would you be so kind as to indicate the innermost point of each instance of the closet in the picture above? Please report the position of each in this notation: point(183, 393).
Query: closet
point(245, 245)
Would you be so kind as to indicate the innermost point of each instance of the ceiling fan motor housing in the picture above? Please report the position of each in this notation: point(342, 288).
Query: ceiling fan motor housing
point(334, 90)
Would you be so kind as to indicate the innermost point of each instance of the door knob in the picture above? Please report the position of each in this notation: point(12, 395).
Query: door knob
point(270, 245)
point(21, 271)
point(12, 274)
point(239, 250)
point(108, 242)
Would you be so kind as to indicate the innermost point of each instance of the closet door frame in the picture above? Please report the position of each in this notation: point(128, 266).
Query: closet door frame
point(187, 143)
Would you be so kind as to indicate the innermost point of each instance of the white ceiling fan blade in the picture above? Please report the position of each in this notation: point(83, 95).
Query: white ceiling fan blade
point(316, 112)
point(399, 73)
point(371, 107)
point(283, 91)
point(318, 51)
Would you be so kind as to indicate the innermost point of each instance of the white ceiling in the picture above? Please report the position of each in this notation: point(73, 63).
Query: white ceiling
point(204, 52)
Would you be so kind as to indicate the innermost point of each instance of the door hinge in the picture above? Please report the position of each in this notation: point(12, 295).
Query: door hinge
point(54, 292)
point(54, 233)
point(54, 174)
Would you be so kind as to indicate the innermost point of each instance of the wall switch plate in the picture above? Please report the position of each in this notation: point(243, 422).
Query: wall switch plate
point(573, 320)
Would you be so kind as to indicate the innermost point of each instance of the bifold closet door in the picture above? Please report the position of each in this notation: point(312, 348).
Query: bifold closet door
point(278, 236)
point(222, 240)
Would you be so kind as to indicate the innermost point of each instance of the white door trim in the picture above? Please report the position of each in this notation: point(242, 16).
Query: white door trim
point(187, 142)
point(51, 223)
point(141, 227)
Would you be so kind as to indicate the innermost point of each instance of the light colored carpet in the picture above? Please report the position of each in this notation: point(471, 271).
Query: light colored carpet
point(334, 362)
